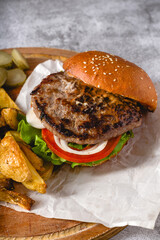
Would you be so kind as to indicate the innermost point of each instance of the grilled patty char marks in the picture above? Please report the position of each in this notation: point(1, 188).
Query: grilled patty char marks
point(80, 113)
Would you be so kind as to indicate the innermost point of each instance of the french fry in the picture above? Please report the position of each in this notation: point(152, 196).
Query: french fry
point(6, 101)
point(16, 198)
point(12, 161)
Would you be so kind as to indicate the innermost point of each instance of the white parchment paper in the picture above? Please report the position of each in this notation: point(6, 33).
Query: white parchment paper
point(124, 190)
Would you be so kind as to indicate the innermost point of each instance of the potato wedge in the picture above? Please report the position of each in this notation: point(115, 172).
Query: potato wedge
point(36, 183)
point(6, 101)
point(12, 161)
point(14, 134)
point(36, 161)
point(2, 176)
point(10, 117)
point(15, 165)
point(16, 198)
point(2, 121)
point(5, 182)
point(47, 172)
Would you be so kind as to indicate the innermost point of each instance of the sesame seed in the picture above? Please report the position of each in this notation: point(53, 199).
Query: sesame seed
point(149, 87)
point(85, 71)
point(98, 86)
point(99, 64)
point(104, 73)
point(93, 67)
point(118, 66)
point(84, 62)
point(84, 66)
point(116, 59)
point(111, 59)
point(106, 60)
point(109, 73)
point(127, 66)
point(112, 62)
point(92, 58)
point(116, 70)
point(142, 78)
point(114, 80)
point(95, 55)
point(152, 100)
point(96, 58)
point(94, 72)
point(111, 86)
point(97, 68)
point(92, 62)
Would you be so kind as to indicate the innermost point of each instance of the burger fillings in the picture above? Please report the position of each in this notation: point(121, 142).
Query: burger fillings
point(99, 97)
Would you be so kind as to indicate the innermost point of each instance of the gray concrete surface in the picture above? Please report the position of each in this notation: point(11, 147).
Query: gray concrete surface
point(127, 28)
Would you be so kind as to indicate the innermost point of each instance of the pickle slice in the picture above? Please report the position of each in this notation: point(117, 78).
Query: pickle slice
point(19, 60)
point(5, 60)
point(3, 76)
point(16, 77)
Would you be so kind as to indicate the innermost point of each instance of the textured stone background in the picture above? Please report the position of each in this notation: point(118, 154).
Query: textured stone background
point(127, 28)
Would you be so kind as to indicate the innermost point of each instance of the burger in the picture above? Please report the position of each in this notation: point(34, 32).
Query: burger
point(87, 113)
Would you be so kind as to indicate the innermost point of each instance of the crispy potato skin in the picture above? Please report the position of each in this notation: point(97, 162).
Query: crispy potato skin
point(5, 182)
point(2, 121)
point(47, 171)
point(16, 198)
point(36, 161)
point(10, 117)
point(12, 162)
point(6, 101)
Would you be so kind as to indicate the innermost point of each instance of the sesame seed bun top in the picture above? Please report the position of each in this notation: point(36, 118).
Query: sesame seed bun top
point(113, 74)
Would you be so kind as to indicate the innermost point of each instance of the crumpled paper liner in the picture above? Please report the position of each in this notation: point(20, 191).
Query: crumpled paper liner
point(124, 190)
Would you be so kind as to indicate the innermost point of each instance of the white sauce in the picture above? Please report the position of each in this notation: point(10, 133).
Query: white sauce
point(33, 120)
point(96, 148)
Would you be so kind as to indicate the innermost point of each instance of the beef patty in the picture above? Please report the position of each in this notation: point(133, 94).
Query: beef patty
point(81, 113)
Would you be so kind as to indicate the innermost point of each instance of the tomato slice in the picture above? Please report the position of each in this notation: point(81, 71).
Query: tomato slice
point(72, 157)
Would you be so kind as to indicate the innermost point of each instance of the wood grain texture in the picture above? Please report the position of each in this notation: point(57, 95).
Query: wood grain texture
point(19, 225)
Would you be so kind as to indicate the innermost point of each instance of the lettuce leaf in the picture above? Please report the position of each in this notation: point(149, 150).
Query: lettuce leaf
point(77, 146)
point(28, 132)
point(125, 137)
point(44, 152)
point(33, 137)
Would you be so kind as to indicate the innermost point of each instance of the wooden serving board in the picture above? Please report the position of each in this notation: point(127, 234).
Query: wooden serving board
point(19, 225)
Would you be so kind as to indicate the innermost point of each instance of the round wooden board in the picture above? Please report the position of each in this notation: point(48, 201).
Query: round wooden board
point(19, 225)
